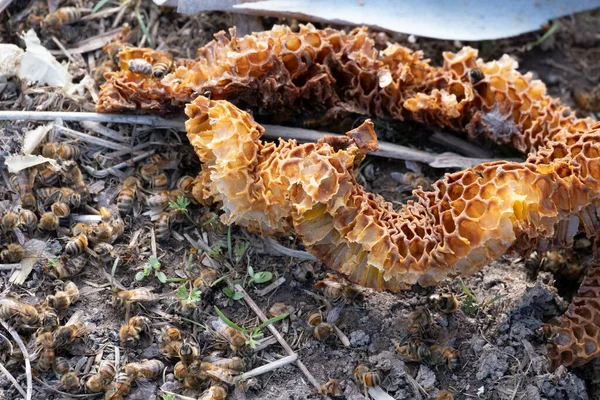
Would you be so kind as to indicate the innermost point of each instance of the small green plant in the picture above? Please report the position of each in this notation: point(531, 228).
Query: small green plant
point(180, 205)
point(250, 335)
point(188, 296)
point(151, 266)
point(471, 304)
point(258, 277)
point(168, 396)
point(232, 293)
point(239, 250)
point(52, 261)
point(215, 251)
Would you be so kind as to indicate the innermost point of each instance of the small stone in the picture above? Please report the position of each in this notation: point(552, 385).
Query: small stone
point(359, 338)
point(426, 377)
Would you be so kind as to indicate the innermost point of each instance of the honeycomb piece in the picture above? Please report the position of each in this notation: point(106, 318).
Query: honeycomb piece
point(470, 218)
point(576, 333)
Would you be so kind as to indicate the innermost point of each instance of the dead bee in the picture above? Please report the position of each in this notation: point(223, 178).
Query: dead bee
point(235, 338)
point(331, 388)
point(162, 227)
point(59, 268)
point(104, 252)
point(212, 371)
point(48, 222)
point(162, 67)
point(73, 177)
point(126, 197)
point(234, 363)
point(13, 253)
point(76, 245)
point(444, 395)
point(446, 302)
point(10, 221)
point(62, 16)
point(169, 343)
point(144, 369)
point(278, 309)
point(63, 195)
point(334, 289)
point(419, 321)
point(130, 333)
point(102, 378)
point(28, 219)
point(158, 200)
point(21, 182)
point(139, 66)
point(444, 355)
point(204, 281)
point(215, 392)
point(47, 176)
point(412, 349)
point(120, 388)
point(185, 184)
point(158, 182)
point(68, 378)
point(323, 331)
point(64, 298)
point(139, 295)
point(363, 376)
point(44, 344)
point(101, 232)
point(180, 371)
point(63, 151)
point(71, 331)
point(188, 352)
point(476, 75)
point(21, 313)
point(61, 210)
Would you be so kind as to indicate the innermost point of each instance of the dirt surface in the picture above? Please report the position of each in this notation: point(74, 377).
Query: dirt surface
point(497, 330)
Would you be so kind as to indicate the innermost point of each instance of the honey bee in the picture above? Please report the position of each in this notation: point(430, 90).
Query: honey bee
point(170, 334)
point(104, 252)
point(444, 355)
point(44, 342)
point(162, 227)
point(207, 277)
point(235, 338)
point(212, 371)
point(158, 182)
point(185, 184)
point(58, 268)
point(61, 210)
point(323, 331)
point(68, 379)
point(98, 74)
point(22, 313)
point(102, 378)
point(188, 352)
point(315, 319)
point(62, 16)
point(144, 369)
point(10, 221)
point(64, 298)
point(476, 75)
point(71, 331)
point(63, 151)
point(236, 364)
point(335, 290)
point(49, 319)
point(74, 178)
point(158, 200)
point(28, 219)
point(278, 309)
point(61, 366)
point(120, 388)
point(331, 388)
point(170, 348)
point(180, 371)
point(139, 66)
point(444, 395)
point(102, 232)
point(412, 349)
point(419, 321)
point(126, 197)
point(13, 253)
point(47, 176)
point(139, 295)
point(363, 376)
point(130, 332)
point(446, 302)
point(63, 195)
point(21, 182)
point(48, 222)
point(215, 392)
point(76, 245)
point(162, 67)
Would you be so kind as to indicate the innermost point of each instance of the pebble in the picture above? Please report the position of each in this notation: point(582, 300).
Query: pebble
point(359, 338)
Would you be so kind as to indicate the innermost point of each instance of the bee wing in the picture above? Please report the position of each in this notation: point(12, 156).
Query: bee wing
point(335, 312)
point(75, 318)
point(19, 235)
point(144, 295)
point(223, 374)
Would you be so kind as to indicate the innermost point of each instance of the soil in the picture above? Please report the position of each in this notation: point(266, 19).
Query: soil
point(497, 330)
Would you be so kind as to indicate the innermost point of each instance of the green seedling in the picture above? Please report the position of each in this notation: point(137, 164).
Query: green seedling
point(168, 396)
point(232, 293)
point(239, 250)
point(180, 205)
point(471, 304)
point(99, 5)
point(215, 251)
point(250, 335)
point(151, 266)
point(188, 296)
point(140, 18)
point(258, 277)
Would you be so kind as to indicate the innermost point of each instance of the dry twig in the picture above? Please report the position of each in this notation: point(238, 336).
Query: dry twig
point(263, 369)
point(13, 380)
point(25, 353)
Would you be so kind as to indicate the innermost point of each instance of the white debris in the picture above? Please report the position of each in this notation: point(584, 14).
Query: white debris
point(16, 163)
point(38, 65)
point(34, 137)
point(10, 58)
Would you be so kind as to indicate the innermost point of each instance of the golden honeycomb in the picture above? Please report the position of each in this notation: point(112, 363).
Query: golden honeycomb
point(466, 220)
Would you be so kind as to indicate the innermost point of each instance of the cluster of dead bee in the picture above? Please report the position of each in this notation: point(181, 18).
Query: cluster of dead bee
point(48, 195)
point(197, 373)
point(151, 184)
point(419, 344)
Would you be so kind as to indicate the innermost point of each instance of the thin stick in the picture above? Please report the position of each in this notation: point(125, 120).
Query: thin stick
point(9, 267)
point(275, 333)
point(25, 353)
point(13, 380)
point(91, 139)
point(459, 145)
point(275, 246)
point(105, 172)
point(263, 369)
point(74, 396)
point(389, 150)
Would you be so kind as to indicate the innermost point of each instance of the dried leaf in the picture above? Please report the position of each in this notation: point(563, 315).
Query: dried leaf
point(38, 65)
point(16, 163)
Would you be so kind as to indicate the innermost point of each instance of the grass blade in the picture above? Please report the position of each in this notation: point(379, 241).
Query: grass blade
point(99, 5)
point(143, 26)
point(229, 322)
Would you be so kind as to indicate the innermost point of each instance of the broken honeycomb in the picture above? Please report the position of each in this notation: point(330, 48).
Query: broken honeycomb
point(469, 218)
point(327, 72)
